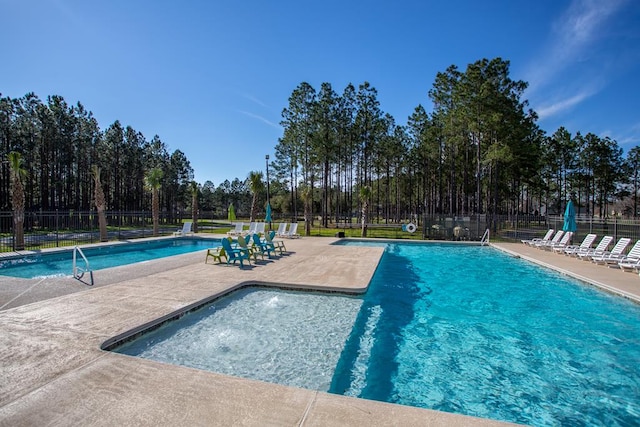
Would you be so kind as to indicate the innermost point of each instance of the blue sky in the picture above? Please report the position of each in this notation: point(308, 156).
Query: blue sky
point(211, 78)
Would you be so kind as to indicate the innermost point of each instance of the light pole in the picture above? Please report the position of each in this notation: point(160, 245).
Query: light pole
point(268, 202)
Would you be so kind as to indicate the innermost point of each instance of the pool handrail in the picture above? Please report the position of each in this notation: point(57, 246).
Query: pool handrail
point(78, 272)
point(485, 238)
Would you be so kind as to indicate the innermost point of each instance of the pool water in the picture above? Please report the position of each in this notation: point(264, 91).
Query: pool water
point(474, 331)
point(60, 263)
point(283, 337)
point(463, 329)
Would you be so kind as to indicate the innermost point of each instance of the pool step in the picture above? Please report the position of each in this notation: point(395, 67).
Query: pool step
point(367, 340)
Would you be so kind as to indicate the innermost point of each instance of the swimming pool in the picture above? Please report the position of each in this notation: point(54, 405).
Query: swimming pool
point(470, 330)
point(252, 339)
point(103, 256)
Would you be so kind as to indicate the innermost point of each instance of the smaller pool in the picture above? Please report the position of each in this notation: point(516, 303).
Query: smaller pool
point(60, 263)
point(286, 337)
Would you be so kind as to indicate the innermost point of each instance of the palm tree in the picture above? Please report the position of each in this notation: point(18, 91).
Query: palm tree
point(256, 186)
point(100, 203)
point(365, 194)
point(18, 171)
point(195, 190)
point(154, 182)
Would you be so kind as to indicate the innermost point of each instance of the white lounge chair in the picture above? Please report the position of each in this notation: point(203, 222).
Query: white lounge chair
point(586, 244)
point(546, 237)
point(237, 230)
point(566, 237)
point(260, 226)
point(186, 229)
point(597, 251)
point(632, 257)
point(629, 264)
point(293, 231)
point(252, 228)
point(556, 239)
point(615, 254)
point(282, 229)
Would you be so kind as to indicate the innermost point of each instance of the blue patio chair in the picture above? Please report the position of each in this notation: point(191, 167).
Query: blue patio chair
point(235, 254)
point(275, 244)
point(261, 246)
point(243, 244)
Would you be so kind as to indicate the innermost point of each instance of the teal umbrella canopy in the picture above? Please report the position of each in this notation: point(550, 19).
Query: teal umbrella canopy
point(268, 216)
point(231, 214)
point(569, 218)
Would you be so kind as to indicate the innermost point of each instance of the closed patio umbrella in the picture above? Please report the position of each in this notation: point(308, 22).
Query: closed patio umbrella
point(570, 218)
point(268, 215)
point(231, 214)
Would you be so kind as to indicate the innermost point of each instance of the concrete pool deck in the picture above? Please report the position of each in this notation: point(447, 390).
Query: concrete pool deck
point(54, 372)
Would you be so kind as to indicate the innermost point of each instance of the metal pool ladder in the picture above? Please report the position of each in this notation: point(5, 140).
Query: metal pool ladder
point(78, 272)
point(485, 238)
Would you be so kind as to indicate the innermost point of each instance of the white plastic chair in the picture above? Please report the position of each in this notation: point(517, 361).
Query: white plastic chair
point(293, 231)
point(237, 230)
point(282, 229)
point(186, 229)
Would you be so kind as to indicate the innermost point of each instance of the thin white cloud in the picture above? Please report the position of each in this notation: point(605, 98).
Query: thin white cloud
point(262, 119)
point(546, 111)
point(254, 100)
point(580, 24)
point(626, 140)
point(572, 34)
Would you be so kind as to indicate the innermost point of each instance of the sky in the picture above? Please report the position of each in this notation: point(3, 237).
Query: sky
point(212, 77)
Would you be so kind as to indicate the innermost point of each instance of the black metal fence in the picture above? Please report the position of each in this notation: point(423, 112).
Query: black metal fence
point(58, 228)
point(503, 227)
point(526, 227)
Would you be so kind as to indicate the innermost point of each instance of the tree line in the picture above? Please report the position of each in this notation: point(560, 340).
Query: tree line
point(479, 151)
point(60, 144)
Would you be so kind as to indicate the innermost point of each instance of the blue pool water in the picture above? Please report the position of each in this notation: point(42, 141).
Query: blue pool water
point(470, 330)
point(251, 334)
point(60, 264)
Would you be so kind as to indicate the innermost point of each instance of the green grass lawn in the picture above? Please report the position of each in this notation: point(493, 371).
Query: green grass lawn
point(372, 232)
point(221, 228)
